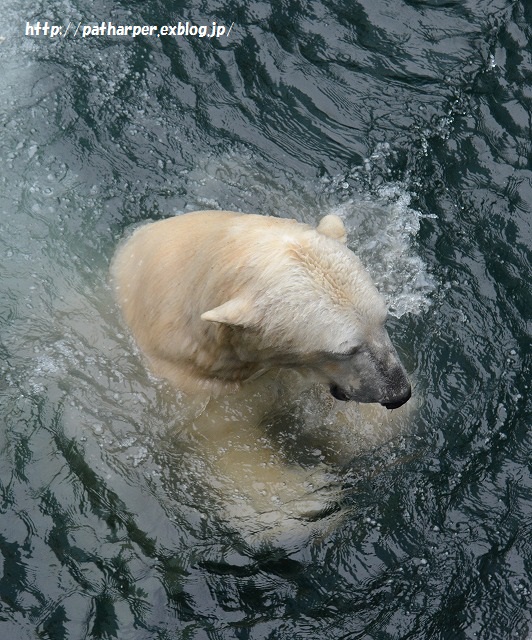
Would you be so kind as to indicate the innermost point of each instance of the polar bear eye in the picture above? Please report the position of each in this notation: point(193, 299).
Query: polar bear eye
point(348, 353)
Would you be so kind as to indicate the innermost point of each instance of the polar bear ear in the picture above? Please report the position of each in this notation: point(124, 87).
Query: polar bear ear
point(333, 227)
point(237, 312)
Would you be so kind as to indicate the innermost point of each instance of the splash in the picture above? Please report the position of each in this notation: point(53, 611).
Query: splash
point(381, 221)
point(382, 230)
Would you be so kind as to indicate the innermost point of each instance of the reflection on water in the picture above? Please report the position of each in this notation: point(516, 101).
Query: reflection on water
point(412, 125)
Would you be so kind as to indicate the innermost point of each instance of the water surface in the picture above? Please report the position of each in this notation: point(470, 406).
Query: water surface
point(411, 119)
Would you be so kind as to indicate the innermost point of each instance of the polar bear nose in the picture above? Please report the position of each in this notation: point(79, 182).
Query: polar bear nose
point(399, 402)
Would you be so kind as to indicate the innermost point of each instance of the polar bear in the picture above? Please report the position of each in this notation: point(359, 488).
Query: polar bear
point(241, 309)
point(215, 299)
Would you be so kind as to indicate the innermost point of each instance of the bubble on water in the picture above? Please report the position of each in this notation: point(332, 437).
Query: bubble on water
point(45, 366)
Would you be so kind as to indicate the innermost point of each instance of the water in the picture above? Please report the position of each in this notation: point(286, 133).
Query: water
point(409, 119)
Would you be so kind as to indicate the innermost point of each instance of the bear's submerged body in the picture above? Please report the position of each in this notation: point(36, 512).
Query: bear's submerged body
point(244, 312)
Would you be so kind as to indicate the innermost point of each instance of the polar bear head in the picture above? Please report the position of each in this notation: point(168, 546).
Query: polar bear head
point(303, 300)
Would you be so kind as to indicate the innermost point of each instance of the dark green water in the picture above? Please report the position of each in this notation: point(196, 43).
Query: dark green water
point(410, 118)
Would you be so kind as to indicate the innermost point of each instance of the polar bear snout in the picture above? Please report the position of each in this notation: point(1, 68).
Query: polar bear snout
point(373, 374)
